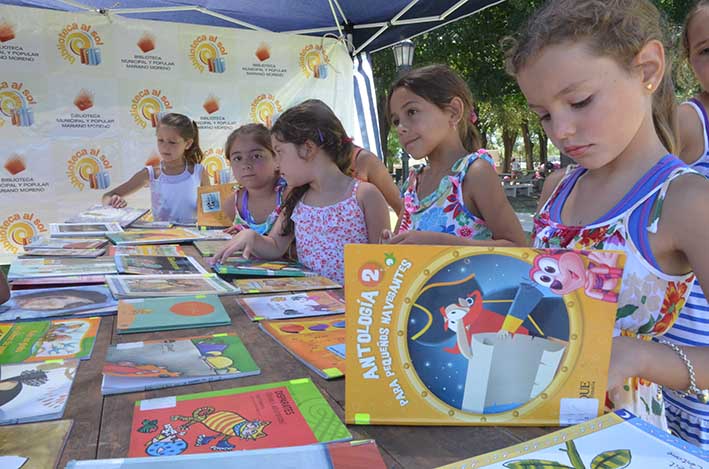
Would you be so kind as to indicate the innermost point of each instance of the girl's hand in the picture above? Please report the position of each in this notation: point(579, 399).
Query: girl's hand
point(625, 357)
point(385, 236)
point(116, 201)
point(232, 230)
point(243, 241)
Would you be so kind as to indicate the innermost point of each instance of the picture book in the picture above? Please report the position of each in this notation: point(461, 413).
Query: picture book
point(59, 230)
point(32, 392)
point(361, 454)
point(22, 441)
point(287, 413)
point(107, 214)
point(64, 252)
point(299, 305)
point(164, 236)
point(38, 341)
point(147, 250)
point(138, 366)
point(144, 286)
point(209, 247)
point(164, 314)
point(259, 267)
point(53, 302)
point(283, 284)
point(210, 204)
point(317, 342)
point(478, 336)
point(59, 267)
point(40, 242)
point(150, 225)
point(56, 282)
point(156, 265)
point(613, 441)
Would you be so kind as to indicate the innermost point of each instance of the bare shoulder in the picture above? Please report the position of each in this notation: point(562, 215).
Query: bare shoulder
point(366, 190)
point(683, 196)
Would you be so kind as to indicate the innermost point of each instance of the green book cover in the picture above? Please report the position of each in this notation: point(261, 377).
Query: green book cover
point(161, 314)
point(38, 341)
point(260, 267)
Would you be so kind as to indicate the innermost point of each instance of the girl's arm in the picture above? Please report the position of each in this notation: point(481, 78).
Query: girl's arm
point(376, 213)
point(204, 178)
point(691, 134)
point(252, 244)
point(374, 171)
point(115, 197)
point(230, 206)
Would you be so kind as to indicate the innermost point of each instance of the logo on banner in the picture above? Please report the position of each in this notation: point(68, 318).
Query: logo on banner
point(88, 167)
point(7, 31)
point(15, 102)
point(314, 61)
point(263, 52)
point(80, 41)
point(264, 109)
point(84, 100)
point(146, 43)
point(147, 106)
point(211, 104)
point(15, 164)
point(216, 165)
point(17, 229)
point(207, 53)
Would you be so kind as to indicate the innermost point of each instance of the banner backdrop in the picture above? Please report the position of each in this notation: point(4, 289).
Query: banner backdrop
point(79, 98)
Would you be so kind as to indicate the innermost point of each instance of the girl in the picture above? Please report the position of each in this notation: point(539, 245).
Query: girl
point(595, 73)
point(257, 202)
point(173, 186)
point(457, 197)
point(325, 209)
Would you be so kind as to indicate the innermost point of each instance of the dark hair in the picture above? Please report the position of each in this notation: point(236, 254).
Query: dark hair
point(438, 84)
point(258, 132)
point(688, 19)
point(93, 296)
point(612, 28)
point(312, 120)
point(187, 128)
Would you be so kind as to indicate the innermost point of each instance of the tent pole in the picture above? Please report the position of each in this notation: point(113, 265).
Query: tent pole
point(125, 11)
point(334, 16)
point(80, 6)
point(384, 28)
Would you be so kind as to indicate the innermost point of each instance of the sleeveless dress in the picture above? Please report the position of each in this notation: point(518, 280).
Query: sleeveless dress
point(650, 300)
point(247, 220)
point(173, 198)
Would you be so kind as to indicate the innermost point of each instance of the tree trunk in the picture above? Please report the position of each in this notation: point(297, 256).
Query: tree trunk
point(483, 139)
point(528, 146)
point(543, 143)
point(384, 125)
point(509, 136)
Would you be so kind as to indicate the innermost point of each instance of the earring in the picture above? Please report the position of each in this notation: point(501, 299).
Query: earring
point(649, 86)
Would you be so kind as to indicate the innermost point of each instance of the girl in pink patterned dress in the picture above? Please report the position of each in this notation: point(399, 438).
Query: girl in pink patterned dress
point(325, 209)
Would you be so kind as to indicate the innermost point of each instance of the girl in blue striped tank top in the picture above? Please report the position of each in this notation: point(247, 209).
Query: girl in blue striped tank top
point(595, 73)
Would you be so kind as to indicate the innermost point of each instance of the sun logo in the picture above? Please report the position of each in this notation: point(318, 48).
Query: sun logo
point(15, 102)
point(214, 163)
point(207, 53)
point(148, 106)
point(314, 61)
point(80, 42)
point(264, 109)
point(89, 167)
point(16, 231)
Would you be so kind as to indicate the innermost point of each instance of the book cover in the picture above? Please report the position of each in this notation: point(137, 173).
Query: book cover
point(38, 341)
point(57, 282)
point(59, 267)
point(157, 265)
point(299, 305)
point(209, 247)
point(478, 336)
point(40, 242)
point(59, 230)
point(260, 267)
point(147, 250)
point(317, 342)
point(138, 366)
point(150, 225)
point(164, 236)
point(33, 392)
point(107, 214)
point(143, 286)
point(613, 441)
point(40, 252)
point(284, 284)
point(23, 440)
point(164, 314)
point(287, 413)
point(48, 302)
point(210, 204)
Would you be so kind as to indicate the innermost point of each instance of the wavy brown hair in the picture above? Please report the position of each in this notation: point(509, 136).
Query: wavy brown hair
point(688, 19)
point(187, 128)
point(258, 132)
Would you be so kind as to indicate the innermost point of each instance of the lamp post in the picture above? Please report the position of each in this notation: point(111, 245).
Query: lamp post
point(403, 57)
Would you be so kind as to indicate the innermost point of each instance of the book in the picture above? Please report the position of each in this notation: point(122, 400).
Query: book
point(283, 284)
point(150, 225)
point(33, 392)
point(478, 336)
point(287, 413)
point(21, 440)
point(209, 247)
point(615, 440)
point(317, 342)
point(59, 230)
point(144, 286)
point(260, 267)
point(59, 267)
point(165, 236)
point(299, 305)
point(164, 314)
point(64, 252)
point(147, 250)
point(156, 265)
point(38, 341)
point(210, 204)
point(155, 364)
point(57, 282)
point(361, 454)
point(107, 214)
point(40, 242)
point(54, 302)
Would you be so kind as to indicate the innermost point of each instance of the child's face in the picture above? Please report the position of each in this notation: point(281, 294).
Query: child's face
point(170, 144)
point(591, 108)
point(252, 164)
point(698, 35)
point(292, 163)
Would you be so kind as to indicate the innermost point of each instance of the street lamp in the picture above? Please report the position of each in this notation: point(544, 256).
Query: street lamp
point(404, 57)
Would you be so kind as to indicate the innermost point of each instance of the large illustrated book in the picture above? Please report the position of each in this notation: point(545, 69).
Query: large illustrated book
point(107, 214)
point(283, 284)
point(22, 441)
point(143, 286)
point(317, 342)
point(614, 441)
point(60, 230)
point(158, 265)
point(478, 336)
point(41, 242)
point(38, 341)
point(287, 413)
point(260, 267)
point(64, 252)
point(147, 250)
point(59, 267)
point(138, 366)
point(164, 314)
point(298, 305)
point(57, 282)
point(53, 302)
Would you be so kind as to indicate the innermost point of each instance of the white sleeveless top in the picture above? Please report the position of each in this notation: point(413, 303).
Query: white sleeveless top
point(174, 197)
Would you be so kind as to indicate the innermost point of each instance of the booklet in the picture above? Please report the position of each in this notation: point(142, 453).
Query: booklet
point(40, 242)
point(59, 230)
point(21, 440)
point(64, 252)
point(55, 302)
point(284, 284)
point(209, 247)
point(164, 314)
point(147, 250)
point(107, 214)
point(155, 364)
point(59, 267)
point(260, 267)
point(165, 236)
point(157, 265)
point(299, 305)
point(144, 286)
point(38, 341)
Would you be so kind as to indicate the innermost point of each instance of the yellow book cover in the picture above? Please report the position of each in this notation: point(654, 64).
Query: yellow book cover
point(210, 204)
point(451, 335)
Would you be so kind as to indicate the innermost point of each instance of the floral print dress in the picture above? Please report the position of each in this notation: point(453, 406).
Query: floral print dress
point(650, 300)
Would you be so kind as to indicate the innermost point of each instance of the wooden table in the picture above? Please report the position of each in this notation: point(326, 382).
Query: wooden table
point(102, 423)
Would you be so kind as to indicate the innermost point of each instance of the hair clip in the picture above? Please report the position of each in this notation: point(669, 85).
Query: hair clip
point(347, 139)
point(322, 139)
point(473, 117)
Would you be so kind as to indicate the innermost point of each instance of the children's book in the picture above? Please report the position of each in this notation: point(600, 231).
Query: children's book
point(40, 242)
point(284, 284)
point(107, 214)
point(59, 267)
point(157, 265)
point(64, 252)
point(299, 305)
point(38, 341)
point(138, 366)
point(478, 336)
point(317, 342)
point(55, 282)
point(209, 247)
point(210, 204)
point(22, 441)
point(60, 230)
point(287, 413)
point(147, 250)
point(613, 441)
point(361, 454)
point(259, 267)
point(32, 392)
point(165, 236)
point(144, 286)
point(57, 302)
point(150, 225)
point(164, 314)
